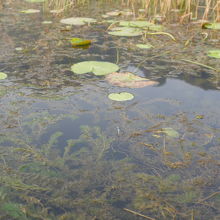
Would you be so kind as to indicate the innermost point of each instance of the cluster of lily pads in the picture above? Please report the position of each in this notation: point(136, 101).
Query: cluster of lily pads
point(127, 79)
point(117, 28)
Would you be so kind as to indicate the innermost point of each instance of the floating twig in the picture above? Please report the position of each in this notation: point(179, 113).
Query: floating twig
point(162, 33)
point(139, 214)
point(201, 64)
point(210, 196)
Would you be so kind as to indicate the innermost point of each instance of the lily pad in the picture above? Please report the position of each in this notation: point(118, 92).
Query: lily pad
point(111, 21)
point(144, 46)
point(170, 132)
point(35, 1)
point(129, 80)
point(56, 11)
point(125, 32)
point(97, 67)
point(114, 13)
point(77, 21)
point(120, 97)
point(214, 53)
point(30, 11)
point(214, 26)
point(79, 42)
point(156, 27)
point(47, 22)
point(142, 24)
point(138, 24)
point(3, 75)
point(18, 48)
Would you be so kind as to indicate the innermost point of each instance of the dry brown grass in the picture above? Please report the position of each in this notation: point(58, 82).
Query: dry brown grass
point(170, 10)
point(179, 10)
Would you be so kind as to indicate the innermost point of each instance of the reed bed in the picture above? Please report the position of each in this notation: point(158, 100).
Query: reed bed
point(169, 10)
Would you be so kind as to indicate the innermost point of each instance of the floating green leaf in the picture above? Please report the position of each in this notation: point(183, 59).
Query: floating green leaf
point(138, 24)
point(30, 11)
point(170, 132)
point(214, 53)
point(97, 67)
point(120, 97)
point(114, 13)
point(35, 1)
point(199, 116)
point(77, 21)
point(47, 22)
point(125, 31)
point(214, 26)
point(18, 48)
point(111, 21)
point(3, 75)
point(56, 11)
point(142, 24)
point(144, 46)
point(129, 80)
point(79, 42)
point(156, 27)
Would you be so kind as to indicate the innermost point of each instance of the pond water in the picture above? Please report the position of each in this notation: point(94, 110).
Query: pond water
point(69, 152)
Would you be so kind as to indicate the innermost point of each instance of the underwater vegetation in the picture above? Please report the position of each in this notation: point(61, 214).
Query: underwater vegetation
point(158, 172)
point(109, 117)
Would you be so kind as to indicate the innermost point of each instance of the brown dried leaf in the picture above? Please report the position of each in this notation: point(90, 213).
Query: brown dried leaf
point(129, 80)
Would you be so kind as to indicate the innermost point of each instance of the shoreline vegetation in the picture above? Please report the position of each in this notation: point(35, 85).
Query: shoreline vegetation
point(181, 11)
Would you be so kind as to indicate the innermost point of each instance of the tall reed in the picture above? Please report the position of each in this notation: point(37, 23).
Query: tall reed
point(181, 10)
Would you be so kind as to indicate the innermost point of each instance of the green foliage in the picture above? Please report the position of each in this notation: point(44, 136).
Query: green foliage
point(13, 210)
point(187, 197)
point(53, 141)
